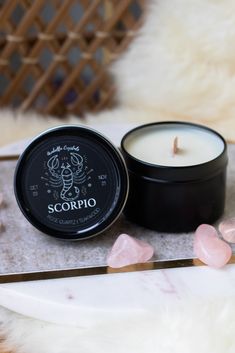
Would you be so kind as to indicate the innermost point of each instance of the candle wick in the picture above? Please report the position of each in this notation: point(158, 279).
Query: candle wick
point(175, 148)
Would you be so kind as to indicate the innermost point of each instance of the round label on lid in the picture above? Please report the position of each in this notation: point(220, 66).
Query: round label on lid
point(71, 183)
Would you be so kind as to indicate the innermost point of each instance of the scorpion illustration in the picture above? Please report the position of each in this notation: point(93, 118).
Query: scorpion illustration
point(66, 178)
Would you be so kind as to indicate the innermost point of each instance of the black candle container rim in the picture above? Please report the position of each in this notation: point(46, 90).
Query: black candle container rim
point(171, 174)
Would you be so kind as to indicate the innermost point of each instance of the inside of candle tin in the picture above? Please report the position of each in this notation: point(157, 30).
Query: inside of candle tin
point(173, 144)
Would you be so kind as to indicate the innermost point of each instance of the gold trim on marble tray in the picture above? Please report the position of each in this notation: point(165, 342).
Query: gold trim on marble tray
point(100, 270)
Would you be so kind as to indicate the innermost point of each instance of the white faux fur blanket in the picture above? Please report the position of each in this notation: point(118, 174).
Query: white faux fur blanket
point(181, 66)
point(191, 327)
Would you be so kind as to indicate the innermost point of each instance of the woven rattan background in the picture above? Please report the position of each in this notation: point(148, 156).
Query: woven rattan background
point(54, 53)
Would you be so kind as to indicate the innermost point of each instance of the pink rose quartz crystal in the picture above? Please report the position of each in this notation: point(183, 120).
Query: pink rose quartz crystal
point(227, 229)
point(128, 251)
point(209, 248)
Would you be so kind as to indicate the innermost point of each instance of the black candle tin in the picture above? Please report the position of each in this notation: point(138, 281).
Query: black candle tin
point(71, 183)
point(175, 199)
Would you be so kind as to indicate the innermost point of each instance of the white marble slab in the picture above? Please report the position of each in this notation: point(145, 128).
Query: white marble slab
point(86, 301)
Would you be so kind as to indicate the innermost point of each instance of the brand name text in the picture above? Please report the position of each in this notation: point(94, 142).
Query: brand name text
point(63, 148)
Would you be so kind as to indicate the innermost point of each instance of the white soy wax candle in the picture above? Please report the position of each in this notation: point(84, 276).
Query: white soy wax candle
point(174, 144)
point(177, 175)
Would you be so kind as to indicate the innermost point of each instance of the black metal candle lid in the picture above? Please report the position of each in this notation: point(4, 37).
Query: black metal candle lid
point(71, 183)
